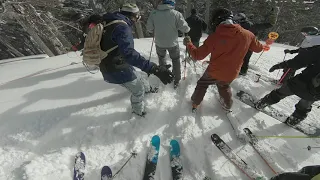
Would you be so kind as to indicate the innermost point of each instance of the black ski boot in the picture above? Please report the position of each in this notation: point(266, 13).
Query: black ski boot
point(295, 118)
point(175, 85)
point(262, 103)
point(143, 114)
point(153, 90)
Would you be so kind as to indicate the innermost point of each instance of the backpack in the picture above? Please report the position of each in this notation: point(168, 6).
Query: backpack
point(92, 53)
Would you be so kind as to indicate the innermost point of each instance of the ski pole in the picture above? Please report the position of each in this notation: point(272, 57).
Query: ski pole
point(185, 64)
point(310, 147)
point(282, 61)
point(133, 154)
point(280, 81)
point(151, 47)
point(290, 137)
point(259, 58)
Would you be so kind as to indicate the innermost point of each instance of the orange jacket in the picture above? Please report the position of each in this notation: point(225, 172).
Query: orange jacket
point(228, 46)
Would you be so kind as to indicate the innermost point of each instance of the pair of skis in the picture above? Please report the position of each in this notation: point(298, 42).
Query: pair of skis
point(79, 168)
point(270, 111)
point(241, 164)
point(152, 159)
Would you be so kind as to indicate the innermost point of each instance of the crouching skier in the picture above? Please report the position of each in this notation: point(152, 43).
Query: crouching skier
point(306, 85)
point(117, 47)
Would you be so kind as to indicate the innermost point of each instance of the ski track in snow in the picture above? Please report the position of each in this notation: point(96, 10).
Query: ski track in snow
point(52, 108)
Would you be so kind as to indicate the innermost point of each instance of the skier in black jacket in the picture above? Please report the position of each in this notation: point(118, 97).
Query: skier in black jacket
point(197, 26)
point(306, 173)
point(306, 85)
point(242, 19)
point(310, 33)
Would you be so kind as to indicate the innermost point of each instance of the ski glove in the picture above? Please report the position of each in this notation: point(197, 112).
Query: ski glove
point(277, 66)
point(186, 40)
point(163, 73)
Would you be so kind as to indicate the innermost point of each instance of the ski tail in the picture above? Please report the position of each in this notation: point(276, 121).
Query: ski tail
point(175, 161)
point(106, 173)
point(79, 166)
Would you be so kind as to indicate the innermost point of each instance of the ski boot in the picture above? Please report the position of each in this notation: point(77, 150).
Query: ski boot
point(262, 103)
point(143, 114)
point(194, 108)
point(153, 90)
point(223, 105)
point(175, 85)
point(295, 119)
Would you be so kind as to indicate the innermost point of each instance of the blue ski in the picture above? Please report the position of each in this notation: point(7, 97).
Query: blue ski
point(175, 161)
point(152, 158)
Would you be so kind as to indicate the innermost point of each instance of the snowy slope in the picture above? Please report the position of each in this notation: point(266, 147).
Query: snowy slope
point(52, 108)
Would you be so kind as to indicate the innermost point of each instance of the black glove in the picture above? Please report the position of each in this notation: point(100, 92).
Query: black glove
point(286, 51)
point(277, 66)
point(163, 73)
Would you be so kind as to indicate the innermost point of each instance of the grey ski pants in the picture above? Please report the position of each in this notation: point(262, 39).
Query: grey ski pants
point(137, 87)
point(174, 53)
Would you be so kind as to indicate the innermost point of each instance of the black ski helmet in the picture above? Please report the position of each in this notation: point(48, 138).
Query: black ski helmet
point(310, 31)
point(219, 15)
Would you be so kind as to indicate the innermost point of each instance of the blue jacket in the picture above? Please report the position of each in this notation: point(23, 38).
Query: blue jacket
point(118, 68)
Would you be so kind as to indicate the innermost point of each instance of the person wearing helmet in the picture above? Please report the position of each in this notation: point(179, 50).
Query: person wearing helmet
point(117, 67)
point(165, 22)
point(311, 35)
point(305, 85)
point(228, 45)
point(255, 28)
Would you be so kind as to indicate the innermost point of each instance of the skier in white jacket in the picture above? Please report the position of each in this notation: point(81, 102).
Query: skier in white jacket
point(165, 22)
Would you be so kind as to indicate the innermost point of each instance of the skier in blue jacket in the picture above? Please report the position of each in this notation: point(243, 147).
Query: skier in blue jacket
point(117, 67)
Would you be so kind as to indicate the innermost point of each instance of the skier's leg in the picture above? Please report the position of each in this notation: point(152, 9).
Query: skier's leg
point(144, 81)
point(201, 88)
point(225, 93)
point(174, 53)
point(245, 65)
point(274, 97)
point(137, 89)
point(161, 52)
point(302, 109)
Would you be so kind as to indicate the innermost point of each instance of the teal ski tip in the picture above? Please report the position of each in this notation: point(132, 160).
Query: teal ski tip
point(155, 143)
point(175, 149)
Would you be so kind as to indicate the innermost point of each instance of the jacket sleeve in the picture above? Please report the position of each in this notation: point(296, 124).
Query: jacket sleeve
point(122, 35)
point(303, 59)
point(150, 24)
point(201, 52)
point(182, 25)
point(255, 45)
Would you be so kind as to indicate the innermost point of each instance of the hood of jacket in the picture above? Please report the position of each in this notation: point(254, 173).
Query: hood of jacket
point(164, 7)
point(228, 29)
point(310, 41)
point(117, 16)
